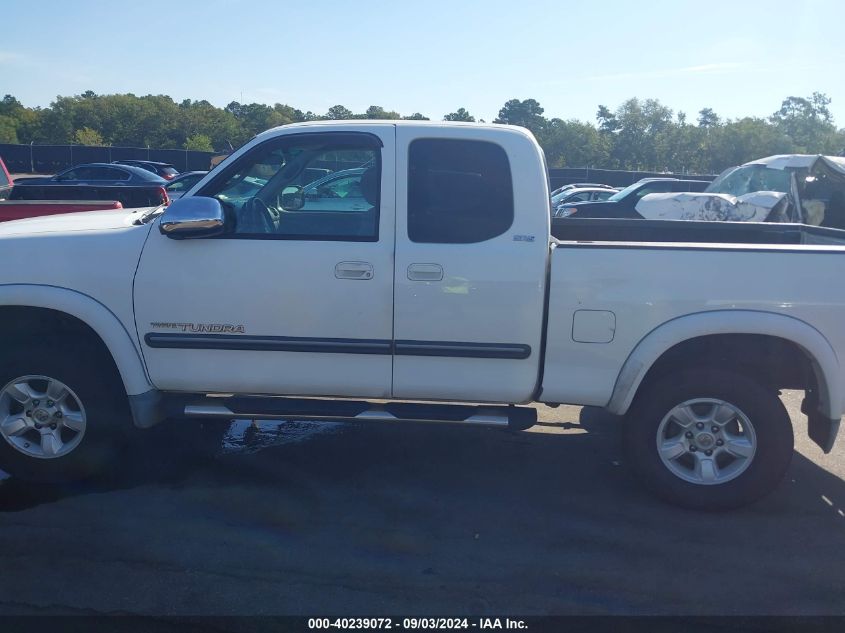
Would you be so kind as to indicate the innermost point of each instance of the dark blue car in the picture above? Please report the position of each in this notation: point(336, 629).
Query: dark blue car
point(102, 174)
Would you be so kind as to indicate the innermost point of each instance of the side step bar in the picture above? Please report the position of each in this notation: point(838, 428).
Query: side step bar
point(257, 408)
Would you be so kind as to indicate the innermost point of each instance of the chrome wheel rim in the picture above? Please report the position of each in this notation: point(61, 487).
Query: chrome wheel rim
point(41, 417)
point(706, 441)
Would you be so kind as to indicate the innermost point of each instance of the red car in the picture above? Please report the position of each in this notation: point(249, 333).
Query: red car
point(5, 180)
point(18, 209)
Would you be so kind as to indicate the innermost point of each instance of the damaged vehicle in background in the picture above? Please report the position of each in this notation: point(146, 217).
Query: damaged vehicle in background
point(800, 188)
point(622, 204)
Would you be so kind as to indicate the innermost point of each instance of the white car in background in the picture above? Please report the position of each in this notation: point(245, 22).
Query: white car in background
point(581, 194)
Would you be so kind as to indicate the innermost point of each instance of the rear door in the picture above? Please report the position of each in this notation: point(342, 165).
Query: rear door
point(471, 250)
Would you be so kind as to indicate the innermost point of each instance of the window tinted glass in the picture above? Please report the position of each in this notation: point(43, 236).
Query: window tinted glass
point(655, 187)
point(105, 173)
point(117, 174)
point(458, 191)
point(271, 191)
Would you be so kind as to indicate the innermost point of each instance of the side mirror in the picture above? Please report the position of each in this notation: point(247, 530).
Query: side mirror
point(193, 217)
point(293, 198)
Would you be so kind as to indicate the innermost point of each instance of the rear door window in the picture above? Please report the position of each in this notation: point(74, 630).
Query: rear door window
point(459, 192)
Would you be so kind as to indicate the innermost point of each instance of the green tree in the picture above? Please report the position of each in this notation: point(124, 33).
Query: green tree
point(527, 114)
point(87, 136)
point(8, 129)
point(642, 136)
point(288, 114)
point(460, 115)
point(377, 112)
point(199, 143)
point(254, 118)
point(339, 113)
point(638, 134)
point(573, 143)
point(707, 118)
point(607, 120)
point(737, 142)
point(807, 122)
point(416, 116)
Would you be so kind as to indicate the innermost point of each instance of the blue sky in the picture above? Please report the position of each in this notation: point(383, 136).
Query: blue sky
point(740, 57)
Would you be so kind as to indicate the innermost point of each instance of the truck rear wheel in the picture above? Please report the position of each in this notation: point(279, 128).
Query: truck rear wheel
point(709, 439)
point(62, 412)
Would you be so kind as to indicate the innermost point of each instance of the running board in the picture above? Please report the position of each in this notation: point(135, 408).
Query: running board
point(257, 408)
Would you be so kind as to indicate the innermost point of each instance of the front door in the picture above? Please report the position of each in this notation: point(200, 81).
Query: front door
point(297, 298)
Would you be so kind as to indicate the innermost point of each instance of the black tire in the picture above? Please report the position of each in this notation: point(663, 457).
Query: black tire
point(93, 378)
point(759, 403)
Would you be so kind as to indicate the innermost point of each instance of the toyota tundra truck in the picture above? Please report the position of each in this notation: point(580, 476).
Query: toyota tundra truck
point(420, 285)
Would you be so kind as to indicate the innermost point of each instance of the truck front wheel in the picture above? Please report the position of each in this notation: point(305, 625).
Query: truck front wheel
point(709, 439)
point(62, 412)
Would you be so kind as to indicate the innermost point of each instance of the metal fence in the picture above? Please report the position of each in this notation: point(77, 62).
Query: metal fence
point(48, 159)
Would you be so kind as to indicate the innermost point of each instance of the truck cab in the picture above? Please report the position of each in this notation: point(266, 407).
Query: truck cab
point(395, 296)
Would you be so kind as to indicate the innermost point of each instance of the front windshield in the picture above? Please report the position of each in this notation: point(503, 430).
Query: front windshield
point(750, 178)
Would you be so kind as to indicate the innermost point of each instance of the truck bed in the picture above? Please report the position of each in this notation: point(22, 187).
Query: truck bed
point(682, 231)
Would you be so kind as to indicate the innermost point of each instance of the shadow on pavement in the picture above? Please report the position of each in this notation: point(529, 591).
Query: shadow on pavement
point(430, 520)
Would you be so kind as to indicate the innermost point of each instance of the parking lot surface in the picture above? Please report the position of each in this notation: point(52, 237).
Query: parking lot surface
point(319, 519)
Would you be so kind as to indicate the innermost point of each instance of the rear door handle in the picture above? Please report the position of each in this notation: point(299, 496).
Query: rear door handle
point(425, 272)
point(353, 270)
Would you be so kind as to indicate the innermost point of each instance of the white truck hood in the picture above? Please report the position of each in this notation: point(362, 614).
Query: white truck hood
point(71, 222)
point(752, 207)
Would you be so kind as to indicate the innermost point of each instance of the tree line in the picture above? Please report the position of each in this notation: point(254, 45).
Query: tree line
point(640, 134)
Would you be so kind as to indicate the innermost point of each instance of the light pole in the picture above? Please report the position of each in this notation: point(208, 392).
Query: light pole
point(31, 159)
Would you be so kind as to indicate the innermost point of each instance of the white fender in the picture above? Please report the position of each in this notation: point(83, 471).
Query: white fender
point(664, 337)
point(94, 314)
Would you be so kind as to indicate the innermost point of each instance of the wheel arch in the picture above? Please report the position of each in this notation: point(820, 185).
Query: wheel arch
point(111, 332)
point(815, 348)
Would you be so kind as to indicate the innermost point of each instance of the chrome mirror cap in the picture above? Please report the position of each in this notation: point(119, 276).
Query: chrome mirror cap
point(193, 217)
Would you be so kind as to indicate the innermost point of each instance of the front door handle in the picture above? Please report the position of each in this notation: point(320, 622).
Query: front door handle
point(353, 270)
point(425, 272)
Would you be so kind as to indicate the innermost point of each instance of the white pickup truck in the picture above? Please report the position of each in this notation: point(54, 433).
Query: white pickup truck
point(420, 284)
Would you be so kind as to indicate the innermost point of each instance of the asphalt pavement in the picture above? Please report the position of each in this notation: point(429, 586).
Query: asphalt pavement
point(349, 519)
